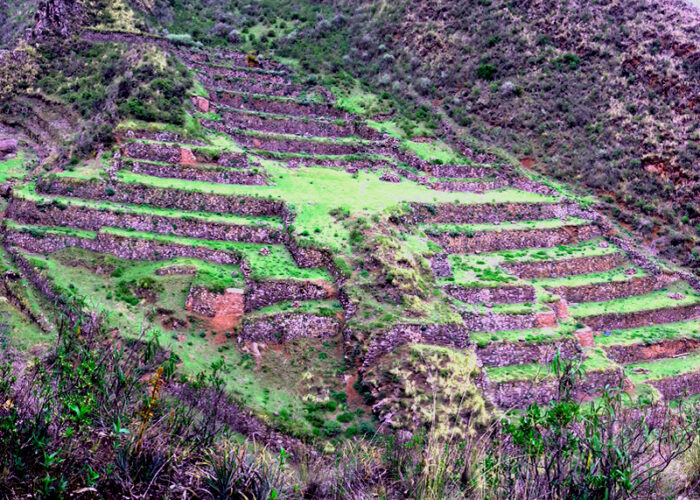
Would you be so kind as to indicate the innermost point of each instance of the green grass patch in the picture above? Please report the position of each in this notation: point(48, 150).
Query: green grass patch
point(663, 368)
point(650, 334)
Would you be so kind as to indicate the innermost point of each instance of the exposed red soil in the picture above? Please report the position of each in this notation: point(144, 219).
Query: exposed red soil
point(527, 162)
point(187, 157)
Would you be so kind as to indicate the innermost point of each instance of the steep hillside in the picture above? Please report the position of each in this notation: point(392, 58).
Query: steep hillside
point(231, 267)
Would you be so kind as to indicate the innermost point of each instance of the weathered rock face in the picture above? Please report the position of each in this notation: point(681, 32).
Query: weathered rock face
point(452, 335)
point(125, 248)
point(8, 148)
point(522, 393)
point(288, 326)
point(565, 267)
point(611, 290)
point(93, 219)
point(127, 192)
point(520, 353)
point(492, 241)
point(55, 17)
point(497, 295)
point(261, 294)
point(670, 348)
point(621, 321)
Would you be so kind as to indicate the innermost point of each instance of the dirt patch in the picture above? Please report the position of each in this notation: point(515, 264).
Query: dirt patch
point(527, 162)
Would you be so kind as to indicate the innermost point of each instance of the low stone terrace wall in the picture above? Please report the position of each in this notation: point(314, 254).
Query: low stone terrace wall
point(127, 192)
point(481, 213)
point(493, 241)
point(462, 171)
point(279, 328)
point(177, 155)
point(622, 321)
point(261, 294)
point(251, 86)
point(239, 72)
point(440, 265)
point(309, 258)
point(156, 135)
point(496, 295)
point(216, 176)
point(634, 353)
point(521, 353)
point(278, 106)
point(93, 219)
point(565, 267)
point(610, 290)
point(120, 246)
point(522, 393)
point(687, 384)
point(469, 187)
point(451, 335)
point(499, 322)
point(229, 57)
point(290, 145)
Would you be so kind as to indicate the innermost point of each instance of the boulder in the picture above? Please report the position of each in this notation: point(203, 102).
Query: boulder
point(8, 147)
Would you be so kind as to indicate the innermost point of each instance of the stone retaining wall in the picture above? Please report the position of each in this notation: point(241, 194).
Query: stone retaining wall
point(634, 353)
point(239, 72)
point(174, 155)
point(179, 199)
point(310, 258)
point(277, 106)
point(493, 241)
point(481, 213)
point(283, 327)
point(522, 393)
point(622, 321)
point(251, 86)
point(216, 176)
point(261, 294)
point(461, 171)
point(156, 135)
point(469, 187)
point(498, 322)
point(93, 219)
point(288, 145)
point(610, 290)
point(685, 385)
point(120, 246)
point(496, 295)
point(564, 267)
point(440, 265)
point(451, 335)
point(521, 353)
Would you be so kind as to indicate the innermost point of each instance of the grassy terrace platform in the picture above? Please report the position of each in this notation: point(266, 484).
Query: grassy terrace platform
point(595, 361)
point(663, 368)
point(588, 248)
point(278, 265)
point(505, 226)
point(614, 275)
point(331, 189)
point(534, 336)
point(27, 192)
point(280, 116)
point(355, 141)
point(649, 334)
point(655, 300)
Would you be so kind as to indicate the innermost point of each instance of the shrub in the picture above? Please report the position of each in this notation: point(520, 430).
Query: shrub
point(486, 72)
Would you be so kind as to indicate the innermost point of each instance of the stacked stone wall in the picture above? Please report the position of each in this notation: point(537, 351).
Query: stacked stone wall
point(521, 353)
point(496, 295)
point(172, 154)
point(252, 86)
point(178, 199)
point(285, 327)
point(461, 171)
point(493, 241)
point(93, 219)
point(498, 322)
point(216, 176)
point(261, 294)
point(482, 213)
point(565, 267)
point(685, 385)
point(623, 321)
point(240, 72)
point(278, 106)
point(610, 290)
point(634, 353)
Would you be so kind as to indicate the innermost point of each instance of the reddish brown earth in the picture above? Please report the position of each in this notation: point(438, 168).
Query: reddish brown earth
point(545, 320)
point(187, 157)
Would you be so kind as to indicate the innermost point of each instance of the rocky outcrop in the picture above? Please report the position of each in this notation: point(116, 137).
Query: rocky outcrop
point(493, 241)
point(8, 148)
point(564, 267)
point(283, 327)
point(497, 295)
point(621, 321)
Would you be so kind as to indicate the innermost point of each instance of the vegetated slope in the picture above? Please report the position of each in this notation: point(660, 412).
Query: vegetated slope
point(604, 93)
